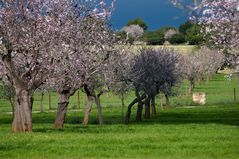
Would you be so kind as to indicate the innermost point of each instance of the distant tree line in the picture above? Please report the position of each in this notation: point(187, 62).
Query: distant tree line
point(187, 33)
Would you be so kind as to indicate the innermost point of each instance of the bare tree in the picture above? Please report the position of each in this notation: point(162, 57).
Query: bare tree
point(152, 72)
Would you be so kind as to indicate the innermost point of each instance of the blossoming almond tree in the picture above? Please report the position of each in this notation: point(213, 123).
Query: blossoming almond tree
point(35, 39)
point(201, 64)
point(87, 46)
point(220, 19)
point(28, 33)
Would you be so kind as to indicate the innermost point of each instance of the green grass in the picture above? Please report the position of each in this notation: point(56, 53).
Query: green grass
point(177, 132)
point(219, 91)
point(199, 133)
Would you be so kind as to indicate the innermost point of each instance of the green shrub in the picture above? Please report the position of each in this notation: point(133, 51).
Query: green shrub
point(185, 27)
point(194, 36)
point(154, 38)
point(177, 39)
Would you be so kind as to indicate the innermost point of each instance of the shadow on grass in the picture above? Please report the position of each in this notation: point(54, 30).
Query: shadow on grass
point(203, 115)
point(91, 129)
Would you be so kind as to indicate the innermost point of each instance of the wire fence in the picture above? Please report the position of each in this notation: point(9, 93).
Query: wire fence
point(218, 91)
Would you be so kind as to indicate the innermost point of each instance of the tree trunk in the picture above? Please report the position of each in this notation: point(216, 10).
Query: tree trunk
point(153, 105)
point(78, 99)
point(63, 101)
point(98, 105)
point(209, 77)
point(139, 112)
point(167, 100)
point(199, 81)
point(128, 113)
point(147, 108)
point(122, 106)
point(191, 87)
point(22, 121)
point(140, 108)
point(49, 100)
point(42, 94)
point(88, 110)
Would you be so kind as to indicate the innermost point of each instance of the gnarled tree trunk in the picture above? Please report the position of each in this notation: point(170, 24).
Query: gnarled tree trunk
point(88, 110)
point(147, 108)
point(167, 100)
point(128, 113)
point(153, 105)
point(22, 121)
point(209, 77)
point(140, 108)
point(98, 105)
point(42, 95)
point(139, 112)
point(91, 95)
point(191, 87)
point(63, 102)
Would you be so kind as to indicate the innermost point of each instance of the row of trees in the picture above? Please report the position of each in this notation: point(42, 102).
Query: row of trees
point(58, 44)
point(67, 46)
point(148, 73)
point(202, 65)
point(160, 71)
point(136, 30)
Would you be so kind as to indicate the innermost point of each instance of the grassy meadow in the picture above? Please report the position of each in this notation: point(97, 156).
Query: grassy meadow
point(183, 130)
point(183, 49)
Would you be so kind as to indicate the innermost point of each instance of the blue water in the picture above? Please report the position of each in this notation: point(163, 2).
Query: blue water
point(156, 13)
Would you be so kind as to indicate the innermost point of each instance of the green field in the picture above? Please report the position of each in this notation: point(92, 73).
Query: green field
point(183, 49)
point(183, 130)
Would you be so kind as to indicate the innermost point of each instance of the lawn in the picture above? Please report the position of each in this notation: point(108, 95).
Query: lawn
point(198, 133)
point(177, 132)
